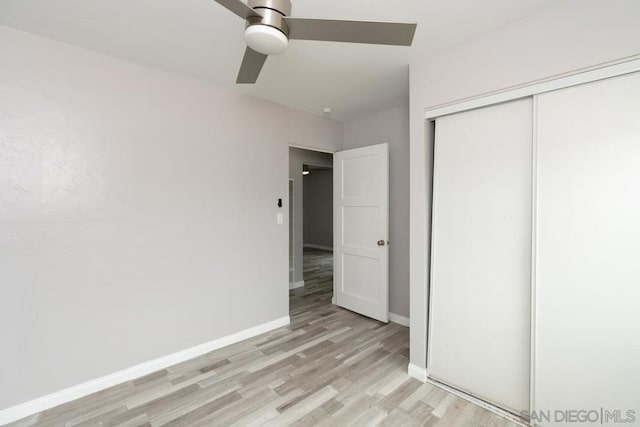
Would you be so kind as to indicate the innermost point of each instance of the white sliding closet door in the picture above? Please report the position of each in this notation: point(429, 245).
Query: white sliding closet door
point(481, 260)
point(588, 252)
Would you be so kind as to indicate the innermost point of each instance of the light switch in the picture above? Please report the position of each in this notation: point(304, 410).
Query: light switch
point(280, 218)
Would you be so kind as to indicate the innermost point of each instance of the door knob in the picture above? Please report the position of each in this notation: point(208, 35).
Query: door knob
point(380, 242)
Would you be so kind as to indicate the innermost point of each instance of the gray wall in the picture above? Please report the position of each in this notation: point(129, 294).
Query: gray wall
point(318, 208)
point(391, 126)
point(298, 157)
point(571, 36)
point(137, 218)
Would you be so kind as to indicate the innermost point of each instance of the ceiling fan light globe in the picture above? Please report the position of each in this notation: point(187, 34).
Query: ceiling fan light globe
point(265, 39)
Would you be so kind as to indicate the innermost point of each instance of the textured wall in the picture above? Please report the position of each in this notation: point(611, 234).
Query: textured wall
point(137, 216)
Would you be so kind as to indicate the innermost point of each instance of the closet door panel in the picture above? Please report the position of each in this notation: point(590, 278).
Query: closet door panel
point(481, 260)
point(588, 257)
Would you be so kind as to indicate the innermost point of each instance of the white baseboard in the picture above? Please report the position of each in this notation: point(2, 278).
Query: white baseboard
point(400, 320)
point(322, 248)
point(49, 401)
point(417, 372)
point(296, 285)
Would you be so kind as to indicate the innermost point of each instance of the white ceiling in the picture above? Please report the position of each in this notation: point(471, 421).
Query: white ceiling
point(202, 39)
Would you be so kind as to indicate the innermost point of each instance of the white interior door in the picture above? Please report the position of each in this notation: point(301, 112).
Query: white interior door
point(479, 340)
point(361, 230)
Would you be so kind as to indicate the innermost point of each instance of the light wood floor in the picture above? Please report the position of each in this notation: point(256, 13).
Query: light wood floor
point(330, 367)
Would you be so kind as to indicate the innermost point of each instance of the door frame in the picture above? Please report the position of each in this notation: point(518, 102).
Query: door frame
point(292, 233)
point(421, 270)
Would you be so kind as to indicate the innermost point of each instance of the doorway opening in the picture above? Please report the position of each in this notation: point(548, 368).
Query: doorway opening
point(310, 228)
point(340, 201)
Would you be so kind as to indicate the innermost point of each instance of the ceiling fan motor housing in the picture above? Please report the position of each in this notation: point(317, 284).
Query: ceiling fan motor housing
point(272, 14)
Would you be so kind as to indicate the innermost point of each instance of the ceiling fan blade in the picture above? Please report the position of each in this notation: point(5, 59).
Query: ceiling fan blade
point(238, 7)
point(251, 66)
point(335, 30)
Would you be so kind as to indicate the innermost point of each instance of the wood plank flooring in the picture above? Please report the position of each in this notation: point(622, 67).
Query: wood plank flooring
point(330, 367)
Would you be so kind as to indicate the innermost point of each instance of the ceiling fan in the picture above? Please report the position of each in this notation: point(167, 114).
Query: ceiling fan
point(269, 29)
